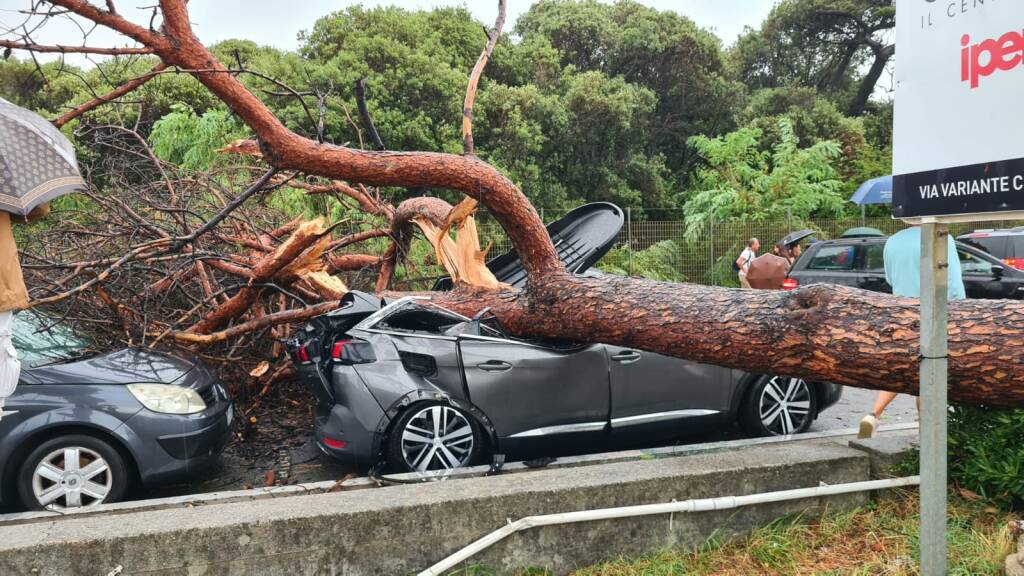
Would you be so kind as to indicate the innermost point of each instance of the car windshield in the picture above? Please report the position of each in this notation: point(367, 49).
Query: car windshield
point(998, 246)
point(833, 258)
point(41, 340)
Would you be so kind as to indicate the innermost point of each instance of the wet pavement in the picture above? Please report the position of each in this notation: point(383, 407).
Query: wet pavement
point(295, 458)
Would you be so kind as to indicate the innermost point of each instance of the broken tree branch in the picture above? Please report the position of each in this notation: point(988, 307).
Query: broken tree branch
point(108, 97)
point(474, 79)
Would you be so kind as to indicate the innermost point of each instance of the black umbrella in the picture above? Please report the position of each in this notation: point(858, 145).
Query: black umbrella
point(37, 163)
point(794, 237)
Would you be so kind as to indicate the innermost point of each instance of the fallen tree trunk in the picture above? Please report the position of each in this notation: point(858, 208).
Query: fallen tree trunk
point(819, 332)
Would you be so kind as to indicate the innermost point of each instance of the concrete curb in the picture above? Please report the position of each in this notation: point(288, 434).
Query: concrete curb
point(408, 527)
point(255, 494)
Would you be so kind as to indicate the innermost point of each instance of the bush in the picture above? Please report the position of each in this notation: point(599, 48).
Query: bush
point(986, 452)
point(659, 261)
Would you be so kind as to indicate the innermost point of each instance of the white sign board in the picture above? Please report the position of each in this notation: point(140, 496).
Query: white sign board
point(957, 145)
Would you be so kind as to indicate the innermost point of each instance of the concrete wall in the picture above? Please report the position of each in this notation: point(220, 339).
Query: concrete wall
point(404, 529)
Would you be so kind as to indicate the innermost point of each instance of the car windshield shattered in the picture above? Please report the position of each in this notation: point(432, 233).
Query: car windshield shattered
point(41, 340)
point(416, 316)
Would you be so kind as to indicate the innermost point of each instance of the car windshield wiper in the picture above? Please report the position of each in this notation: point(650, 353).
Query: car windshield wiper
point(55, 360)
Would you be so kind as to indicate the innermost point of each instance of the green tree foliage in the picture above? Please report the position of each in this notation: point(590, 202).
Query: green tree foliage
point(583, 101)
point(661, 51)
point(820, 44)
point(741, 181)
point(190, 140)
point(21, 83)
point(415, 63)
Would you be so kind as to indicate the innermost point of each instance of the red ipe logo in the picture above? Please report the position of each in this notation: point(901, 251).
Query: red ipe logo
point(1004, 53)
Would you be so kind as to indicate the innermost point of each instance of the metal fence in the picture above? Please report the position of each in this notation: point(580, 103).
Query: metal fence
point(705, 255)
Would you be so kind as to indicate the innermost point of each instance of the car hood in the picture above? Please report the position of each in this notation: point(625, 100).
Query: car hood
point(581, 238)
point(130, 366)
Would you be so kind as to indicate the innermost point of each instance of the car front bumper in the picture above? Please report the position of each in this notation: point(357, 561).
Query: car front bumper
point(173, 447)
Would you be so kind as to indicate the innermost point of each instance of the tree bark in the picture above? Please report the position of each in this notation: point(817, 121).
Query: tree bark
point(870, 80)
point(819, 332)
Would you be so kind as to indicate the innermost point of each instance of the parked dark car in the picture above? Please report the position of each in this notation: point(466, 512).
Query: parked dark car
point(422, 388)
point(80, 431)
point(1007, 245)
point(858, 262)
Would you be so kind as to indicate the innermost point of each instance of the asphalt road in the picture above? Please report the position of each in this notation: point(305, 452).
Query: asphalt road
point(856, 402)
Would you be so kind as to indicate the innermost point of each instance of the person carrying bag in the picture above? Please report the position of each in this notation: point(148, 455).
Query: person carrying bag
point(13, 297)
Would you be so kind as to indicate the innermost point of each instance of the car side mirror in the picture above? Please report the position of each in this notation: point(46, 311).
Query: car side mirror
point(998, 270)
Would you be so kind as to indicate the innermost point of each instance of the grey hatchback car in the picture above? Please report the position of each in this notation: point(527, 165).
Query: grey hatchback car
point(415, 386)
point(80, 431)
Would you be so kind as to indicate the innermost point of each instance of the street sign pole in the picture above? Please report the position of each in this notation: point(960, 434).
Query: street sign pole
point(933, 389)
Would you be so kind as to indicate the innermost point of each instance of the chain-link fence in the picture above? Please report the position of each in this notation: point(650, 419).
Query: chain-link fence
point(705, 255)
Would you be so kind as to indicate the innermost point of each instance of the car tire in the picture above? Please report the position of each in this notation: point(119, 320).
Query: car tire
point(778, 406)
point(410, 446)
point(46, 481)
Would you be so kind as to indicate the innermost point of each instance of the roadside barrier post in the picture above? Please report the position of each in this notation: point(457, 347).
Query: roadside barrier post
point(957, 158)
point(933, 384)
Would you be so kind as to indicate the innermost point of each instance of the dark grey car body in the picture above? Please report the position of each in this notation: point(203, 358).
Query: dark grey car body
point(524, 397)
point(89, 397)
point(859, 262)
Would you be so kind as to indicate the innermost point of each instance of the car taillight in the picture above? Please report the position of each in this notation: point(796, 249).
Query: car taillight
point(302, 354)
point(336, 444)
point(338, 350)
point(790, 284)
point(352, 352)
point(1017, 263)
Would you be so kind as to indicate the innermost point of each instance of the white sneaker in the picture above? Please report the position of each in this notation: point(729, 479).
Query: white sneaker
point(868, 426)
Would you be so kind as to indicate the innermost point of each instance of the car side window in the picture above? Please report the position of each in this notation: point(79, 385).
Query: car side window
point(874, 258)
point(418, 320)
point(971, 264)
point(833, 258)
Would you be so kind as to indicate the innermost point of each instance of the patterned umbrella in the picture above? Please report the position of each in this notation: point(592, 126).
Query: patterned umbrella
point(37, 163)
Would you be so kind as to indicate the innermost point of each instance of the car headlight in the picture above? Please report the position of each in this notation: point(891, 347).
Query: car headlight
point(168, 399)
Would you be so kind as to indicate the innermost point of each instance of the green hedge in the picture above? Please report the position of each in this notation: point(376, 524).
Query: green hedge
point(986, 452)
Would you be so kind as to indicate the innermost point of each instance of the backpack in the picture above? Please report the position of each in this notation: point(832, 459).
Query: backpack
point(735, 268)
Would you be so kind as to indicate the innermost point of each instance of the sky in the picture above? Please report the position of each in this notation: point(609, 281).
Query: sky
point(277, 23)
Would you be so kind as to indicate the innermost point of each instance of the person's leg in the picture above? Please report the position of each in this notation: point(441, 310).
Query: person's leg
point(743, 281)
point(869, 423)
point(881, 402)
point(10, 367)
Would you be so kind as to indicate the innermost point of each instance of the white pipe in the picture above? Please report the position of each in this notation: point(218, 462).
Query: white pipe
point(696, 505)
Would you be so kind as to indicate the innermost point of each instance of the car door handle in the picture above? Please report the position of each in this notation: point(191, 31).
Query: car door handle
point(494, 366)
point(627, 357)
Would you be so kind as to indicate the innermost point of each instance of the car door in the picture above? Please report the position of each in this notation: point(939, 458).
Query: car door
point(871, 267)
point(649, 388)
point(982, 277)
point(531, 391)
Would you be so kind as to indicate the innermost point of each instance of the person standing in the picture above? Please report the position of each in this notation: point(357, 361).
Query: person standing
point(742, 264)
point(902, 259)
point(13, 297)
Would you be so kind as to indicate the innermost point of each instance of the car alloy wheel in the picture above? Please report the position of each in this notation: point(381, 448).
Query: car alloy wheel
point(72, 477)
point(437, 437)
point(785, 405)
